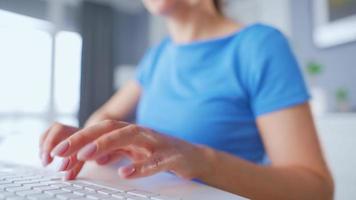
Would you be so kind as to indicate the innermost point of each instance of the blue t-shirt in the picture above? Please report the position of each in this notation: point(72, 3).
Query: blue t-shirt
point(211, 92)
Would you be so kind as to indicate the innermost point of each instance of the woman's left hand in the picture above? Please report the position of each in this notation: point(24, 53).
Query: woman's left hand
point(151, 152)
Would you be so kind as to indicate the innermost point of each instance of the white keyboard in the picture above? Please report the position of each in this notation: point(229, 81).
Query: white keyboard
point(24, 183)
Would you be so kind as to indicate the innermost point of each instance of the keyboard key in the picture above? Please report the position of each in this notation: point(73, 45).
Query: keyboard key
point(70, 188)
point(49, 182)
point(93, 188)
point(83, 192)
point(40, 197)
point(16, 189)
point(68, 196)
point(26, 181)
point(33, 177)
point(55, 192)
point(165, 198)
point(13, 179)
point(141, 193)
point(133, 197)
point(80, 183)
point(2, 182)
point(108, 191)
point(45, 188)
point(119, 196)
point(59, 185)
point(27, 192)
point(97, 196)
point(16, 198)
point(5, 186)
point(34, 185)
point(4, 195)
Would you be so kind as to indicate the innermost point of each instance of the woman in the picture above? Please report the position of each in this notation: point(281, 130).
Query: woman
point(217, 102)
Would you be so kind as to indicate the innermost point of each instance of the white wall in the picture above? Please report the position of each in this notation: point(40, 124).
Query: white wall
point(273, 12)
point(337, 134)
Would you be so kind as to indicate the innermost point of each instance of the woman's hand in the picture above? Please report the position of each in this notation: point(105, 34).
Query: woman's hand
point(56, 134)
point(150, 152)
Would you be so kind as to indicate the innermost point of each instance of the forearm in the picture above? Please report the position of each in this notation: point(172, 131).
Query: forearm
point(120, 107)
point(97, 117)
point(265, 182)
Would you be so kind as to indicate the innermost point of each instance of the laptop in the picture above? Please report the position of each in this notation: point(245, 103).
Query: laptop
point(22, 177)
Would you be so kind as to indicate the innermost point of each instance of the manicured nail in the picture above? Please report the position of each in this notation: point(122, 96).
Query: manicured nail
point(64, 165)
point(60, 149)
point(103, 159)
point(126, 171)
point(45, 159)
point(87, 151)
point(68, 175)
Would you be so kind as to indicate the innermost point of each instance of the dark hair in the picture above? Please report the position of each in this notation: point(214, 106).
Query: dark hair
point(218, 6)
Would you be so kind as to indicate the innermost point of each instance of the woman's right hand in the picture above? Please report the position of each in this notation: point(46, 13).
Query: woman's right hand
point(56, 134)
point(53, 136)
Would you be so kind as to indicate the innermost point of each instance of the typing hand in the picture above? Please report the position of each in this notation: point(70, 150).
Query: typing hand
point(58, 133)
point(150, 151)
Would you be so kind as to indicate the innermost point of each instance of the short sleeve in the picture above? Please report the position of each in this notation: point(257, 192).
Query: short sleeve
point(144, 68)
point(277, 82)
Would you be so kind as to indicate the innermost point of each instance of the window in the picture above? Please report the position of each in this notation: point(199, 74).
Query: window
point(67, 73)
point(35, 86)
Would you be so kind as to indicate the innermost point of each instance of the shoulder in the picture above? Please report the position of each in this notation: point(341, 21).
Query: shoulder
point(260, 37)
point(260, 42)
point(155, 50)
point(264, 49)
point(261, 29)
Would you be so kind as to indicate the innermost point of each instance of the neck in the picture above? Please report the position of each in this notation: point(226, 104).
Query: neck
point(195, 25)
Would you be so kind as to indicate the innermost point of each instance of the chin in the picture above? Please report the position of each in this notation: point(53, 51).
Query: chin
point(160, 7)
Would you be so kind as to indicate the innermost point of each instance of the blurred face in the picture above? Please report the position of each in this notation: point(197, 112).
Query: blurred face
point(166, 7)
point(161, 7)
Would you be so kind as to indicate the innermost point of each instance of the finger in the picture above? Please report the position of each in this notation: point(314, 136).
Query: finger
point(52, 137)
point(153, 165)
point(68, 163)
point(56, 134)
point(129, 135)
point(109, 158)
point(73, 173)
point(46, 159)
point(85, 136)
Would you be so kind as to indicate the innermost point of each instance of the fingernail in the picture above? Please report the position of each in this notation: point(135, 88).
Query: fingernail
point(64, 164)
point(87, 151)
point(60, 149)
point(45, 159)
point(68, 175)
point(103, 159)
point(126, 171)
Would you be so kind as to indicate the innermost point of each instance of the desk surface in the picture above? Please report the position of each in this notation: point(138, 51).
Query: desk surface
point(22, 149)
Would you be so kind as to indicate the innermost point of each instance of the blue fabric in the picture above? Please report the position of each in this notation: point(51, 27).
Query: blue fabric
point(211, 92)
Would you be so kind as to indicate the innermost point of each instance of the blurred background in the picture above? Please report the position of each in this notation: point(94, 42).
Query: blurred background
point(61, 59)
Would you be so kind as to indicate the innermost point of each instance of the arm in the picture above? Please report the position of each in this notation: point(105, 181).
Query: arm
point(120, 106)
point(298, 170)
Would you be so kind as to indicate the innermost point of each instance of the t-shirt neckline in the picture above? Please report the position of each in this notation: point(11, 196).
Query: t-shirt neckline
point(210, 40)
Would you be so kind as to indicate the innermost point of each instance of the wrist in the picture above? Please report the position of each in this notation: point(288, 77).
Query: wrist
point(208, 164)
